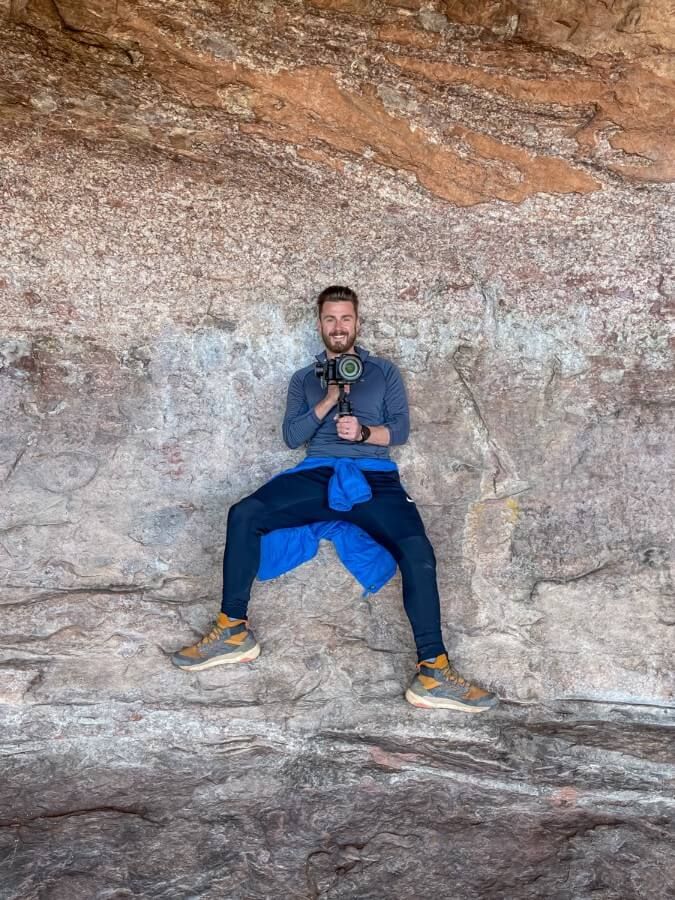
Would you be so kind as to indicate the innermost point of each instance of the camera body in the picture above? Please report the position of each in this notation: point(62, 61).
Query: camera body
point(343, 369)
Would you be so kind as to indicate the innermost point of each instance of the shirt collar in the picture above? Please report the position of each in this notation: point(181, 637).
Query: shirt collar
point(361, 352)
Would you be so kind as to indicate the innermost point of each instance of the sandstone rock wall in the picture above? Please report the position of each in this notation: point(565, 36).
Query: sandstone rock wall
point(178, 182)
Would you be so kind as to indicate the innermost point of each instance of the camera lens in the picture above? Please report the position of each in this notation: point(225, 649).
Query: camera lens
point(350, 368)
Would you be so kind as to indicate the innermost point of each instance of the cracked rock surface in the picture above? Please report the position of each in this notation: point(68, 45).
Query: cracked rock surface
point(177, 183)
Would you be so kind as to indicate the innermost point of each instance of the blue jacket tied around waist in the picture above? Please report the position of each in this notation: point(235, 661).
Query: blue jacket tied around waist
point(367, 560)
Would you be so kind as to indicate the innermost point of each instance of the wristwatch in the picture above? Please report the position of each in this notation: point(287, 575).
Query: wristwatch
point(365, 434)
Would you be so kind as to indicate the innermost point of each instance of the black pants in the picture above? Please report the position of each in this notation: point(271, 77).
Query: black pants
point(300, 498)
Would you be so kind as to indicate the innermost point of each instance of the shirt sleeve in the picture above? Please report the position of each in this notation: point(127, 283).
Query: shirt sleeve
point(396, 414)
point(300, 421)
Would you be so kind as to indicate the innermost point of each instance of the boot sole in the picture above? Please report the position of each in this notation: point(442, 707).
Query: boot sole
point(242, 656)
point(443, 703)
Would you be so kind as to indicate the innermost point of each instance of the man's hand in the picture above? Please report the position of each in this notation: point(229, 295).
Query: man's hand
point(348, 427)
point(323, 407)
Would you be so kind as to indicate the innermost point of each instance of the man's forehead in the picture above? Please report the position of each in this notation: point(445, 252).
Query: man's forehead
point(341, 307)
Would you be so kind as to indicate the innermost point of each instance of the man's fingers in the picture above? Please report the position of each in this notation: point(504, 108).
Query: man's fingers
point(349, 428)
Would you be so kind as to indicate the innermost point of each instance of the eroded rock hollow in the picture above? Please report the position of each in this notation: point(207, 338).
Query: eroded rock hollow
point(178, 182)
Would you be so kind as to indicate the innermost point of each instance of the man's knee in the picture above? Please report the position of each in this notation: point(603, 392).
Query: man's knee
point(245, 512)
point(417, 550)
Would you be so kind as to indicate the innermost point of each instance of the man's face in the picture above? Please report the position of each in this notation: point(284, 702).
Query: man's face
point(338, 326)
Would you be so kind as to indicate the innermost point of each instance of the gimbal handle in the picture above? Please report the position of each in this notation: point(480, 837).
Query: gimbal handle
point(343, 405)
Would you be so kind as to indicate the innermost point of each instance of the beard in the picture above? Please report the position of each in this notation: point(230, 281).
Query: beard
point(339, 342)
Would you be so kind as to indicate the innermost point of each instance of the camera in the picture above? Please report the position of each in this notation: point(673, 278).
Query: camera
point(341, 370)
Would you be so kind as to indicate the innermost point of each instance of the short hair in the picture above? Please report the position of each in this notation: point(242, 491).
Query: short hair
point(337, 292)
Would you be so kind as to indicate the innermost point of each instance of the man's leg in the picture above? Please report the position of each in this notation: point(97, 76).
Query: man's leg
point(298, 498)
point(391, 518)
point(394, 521)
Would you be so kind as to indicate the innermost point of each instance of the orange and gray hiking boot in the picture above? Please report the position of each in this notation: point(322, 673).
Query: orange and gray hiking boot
point(438, 686)
point(229, 641)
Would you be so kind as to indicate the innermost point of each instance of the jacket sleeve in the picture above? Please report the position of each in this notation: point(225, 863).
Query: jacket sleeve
point(300, 422)
point(396, 414)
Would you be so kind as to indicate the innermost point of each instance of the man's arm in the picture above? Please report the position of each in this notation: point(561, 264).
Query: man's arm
point(300, 422)
point(396, 425)
point(396, 414)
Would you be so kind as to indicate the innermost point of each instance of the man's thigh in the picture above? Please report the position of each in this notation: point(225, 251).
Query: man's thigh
point(295, 498)
point(391, 513)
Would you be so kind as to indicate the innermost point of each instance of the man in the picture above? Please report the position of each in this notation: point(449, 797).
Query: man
point(347, 477)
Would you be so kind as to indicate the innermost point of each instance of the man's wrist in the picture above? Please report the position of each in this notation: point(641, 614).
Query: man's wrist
point(321, 409)
point(364, 435)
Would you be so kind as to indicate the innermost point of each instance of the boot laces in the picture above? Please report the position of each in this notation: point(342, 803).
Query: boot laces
point(215, 632)
point(453, 675)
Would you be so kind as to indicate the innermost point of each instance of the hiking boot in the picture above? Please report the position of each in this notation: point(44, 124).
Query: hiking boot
point(438, 686)
point(229, 641)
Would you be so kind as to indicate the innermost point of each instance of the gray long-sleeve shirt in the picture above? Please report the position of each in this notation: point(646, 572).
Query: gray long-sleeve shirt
point(379, 398)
